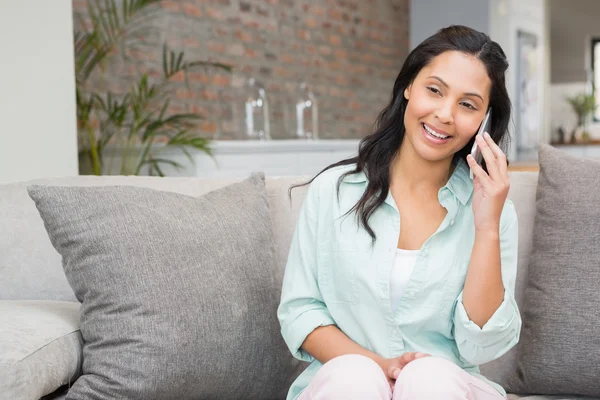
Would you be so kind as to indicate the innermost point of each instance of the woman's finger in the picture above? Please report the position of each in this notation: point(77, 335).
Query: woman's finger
point(490, 159)
point(498, 153)
point(484, 179)
point(410, 356)
point(395, 369)
point(476, 184)
point(406, 358)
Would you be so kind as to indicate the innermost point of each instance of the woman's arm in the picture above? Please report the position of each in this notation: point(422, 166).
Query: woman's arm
point(306, 324)
point(484, 291)
point(302, 308)
point(477, 343)
point(486, 317)
point(328, 342)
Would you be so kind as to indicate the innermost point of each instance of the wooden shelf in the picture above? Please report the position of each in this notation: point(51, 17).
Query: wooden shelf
point(524, 168)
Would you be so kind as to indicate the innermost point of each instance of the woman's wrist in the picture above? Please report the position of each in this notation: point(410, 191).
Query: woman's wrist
point(384, 364)
point(380, 361)
point(488, 233)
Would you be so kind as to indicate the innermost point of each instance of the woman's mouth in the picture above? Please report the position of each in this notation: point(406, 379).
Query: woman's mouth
point(434, 135)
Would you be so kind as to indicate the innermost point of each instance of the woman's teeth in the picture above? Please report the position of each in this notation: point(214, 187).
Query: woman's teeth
point(432, 133)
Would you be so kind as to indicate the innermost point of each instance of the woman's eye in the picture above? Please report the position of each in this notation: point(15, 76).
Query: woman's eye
point(433, 90)
point(469, 106)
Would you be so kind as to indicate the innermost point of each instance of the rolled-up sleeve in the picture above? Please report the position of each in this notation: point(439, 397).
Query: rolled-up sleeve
point(302, 309)
point(501, 332)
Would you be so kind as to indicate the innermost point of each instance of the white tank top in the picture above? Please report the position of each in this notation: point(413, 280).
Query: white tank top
point(404, 263)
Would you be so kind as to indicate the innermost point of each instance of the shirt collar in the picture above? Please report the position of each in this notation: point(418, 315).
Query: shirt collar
point(459, 184)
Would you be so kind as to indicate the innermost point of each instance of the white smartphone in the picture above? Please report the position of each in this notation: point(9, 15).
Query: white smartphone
point(485, 126)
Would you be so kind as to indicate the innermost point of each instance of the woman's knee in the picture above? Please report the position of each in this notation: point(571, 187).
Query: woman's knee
point(357, 367)
point(350, 376)
point(353, 361)
point(431, 378)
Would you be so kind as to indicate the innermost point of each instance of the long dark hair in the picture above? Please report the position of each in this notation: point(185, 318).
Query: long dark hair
point(376, 151)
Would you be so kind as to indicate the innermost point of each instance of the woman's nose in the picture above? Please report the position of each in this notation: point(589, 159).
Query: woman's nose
point(445, 113)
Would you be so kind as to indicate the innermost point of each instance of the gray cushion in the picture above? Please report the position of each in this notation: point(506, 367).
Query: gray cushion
point(40, 347)
point(557, 353)
point(30, 268)
point(178, 293)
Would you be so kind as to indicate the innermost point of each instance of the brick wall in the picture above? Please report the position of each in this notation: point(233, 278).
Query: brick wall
point(349, 51)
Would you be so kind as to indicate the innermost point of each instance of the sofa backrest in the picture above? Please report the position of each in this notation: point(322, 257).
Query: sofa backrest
point(30, 268)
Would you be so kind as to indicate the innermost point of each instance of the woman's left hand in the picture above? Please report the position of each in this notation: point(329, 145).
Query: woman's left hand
point(491, 188)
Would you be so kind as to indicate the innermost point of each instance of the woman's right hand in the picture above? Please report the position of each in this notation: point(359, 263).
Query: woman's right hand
point(392, 366)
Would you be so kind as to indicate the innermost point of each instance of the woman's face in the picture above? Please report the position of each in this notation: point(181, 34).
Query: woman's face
point(446, 104)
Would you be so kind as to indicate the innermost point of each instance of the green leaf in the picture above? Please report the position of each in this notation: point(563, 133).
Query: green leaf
point(176, 139)
point(141, 116)
point(187, 154)
point(226, 67)
point(165, 161)
point(164, 57)
point(111, 28)
point(156, 162)
point(155, 167)
point(179, 60)
point(178, 119)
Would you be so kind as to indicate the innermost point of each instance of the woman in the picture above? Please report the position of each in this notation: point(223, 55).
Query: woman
point(401, 271)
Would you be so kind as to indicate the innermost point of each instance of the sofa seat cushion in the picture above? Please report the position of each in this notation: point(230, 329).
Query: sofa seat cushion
point(40, 347)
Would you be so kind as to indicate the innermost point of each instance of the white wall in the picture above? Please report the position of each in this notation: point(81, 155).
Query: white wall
point(428, 16)
point(37, 90)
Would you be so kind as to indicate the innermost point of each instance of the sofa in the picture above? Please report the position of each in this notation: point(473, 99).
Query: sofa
point(39, 314)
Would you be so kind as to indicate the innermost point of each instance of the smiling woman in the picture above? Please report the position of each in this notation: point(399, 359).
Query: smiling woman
point(450, 96)
point(425, 263)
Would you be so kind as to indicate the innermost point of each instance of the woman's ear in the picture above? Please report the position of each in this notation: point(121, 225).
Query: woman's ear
point(407, 92)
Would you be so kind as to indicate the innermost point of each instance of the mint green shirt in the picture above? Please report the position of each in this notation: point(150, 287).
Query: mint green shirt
point(334, 277)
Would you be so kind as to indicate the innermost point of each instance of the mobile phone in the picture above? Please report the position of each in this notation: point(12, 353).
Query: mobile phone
point(485, 126)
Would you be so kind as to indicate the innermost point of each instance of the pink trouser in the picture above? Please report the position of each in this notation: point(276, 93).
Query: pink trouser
point(358, 377)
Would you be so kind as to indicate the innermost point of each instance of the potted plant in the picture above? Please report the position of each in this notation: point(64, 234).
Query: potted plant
point(583, 105)
point(135, 127)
